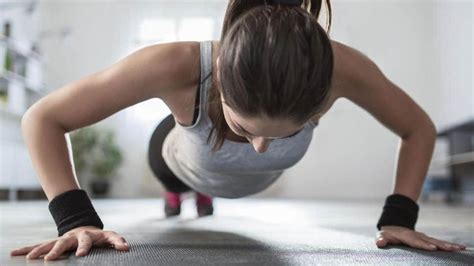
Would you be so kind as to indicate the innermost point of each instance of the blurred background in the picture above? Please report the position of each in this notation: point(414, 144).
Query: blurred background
point(425, 47)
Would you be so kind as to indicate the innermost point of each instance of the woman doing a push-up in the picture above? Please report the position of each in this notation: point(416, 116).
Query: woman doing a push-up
point(243, 109)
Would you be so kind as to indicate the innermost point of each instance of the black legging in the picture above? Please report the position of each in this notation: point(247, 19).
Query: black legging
point(155, 159)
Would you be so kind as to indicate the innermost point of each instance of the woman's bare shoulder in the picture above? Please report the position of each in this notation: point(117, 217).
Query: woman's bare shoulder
point(180, 99)
point(181, 64)
point(335, 91)
point(349, 64)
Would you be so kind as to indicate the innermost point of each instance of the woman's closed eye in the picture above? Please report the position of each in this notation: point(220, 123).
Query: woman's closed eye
point(250, 136)
point(292, 134)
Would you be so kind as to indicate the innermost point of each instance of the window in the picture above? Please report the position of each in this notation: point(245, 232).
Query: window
point(195, 29)
point(162, 30)
point(154, 31)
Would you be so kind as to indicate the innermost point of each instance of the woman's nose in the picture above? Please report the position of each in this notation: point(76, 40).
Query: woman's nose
point(260, 144)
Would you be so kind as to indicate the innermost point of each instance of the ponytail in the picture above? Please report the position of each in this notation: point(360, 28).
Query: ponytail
point(236, 8)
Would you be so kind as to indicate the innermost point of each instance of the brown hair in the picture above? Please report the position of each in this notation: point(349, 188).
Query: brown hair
point(275, 60)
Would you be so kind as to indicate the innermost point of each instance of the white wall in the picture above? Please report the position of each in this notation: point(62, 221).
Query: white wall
point(454, 46)
point(420, 45)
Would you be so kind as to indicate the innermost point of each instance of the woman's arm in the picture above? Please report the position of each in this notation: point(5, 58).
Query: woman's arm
point(362, 82)
point(154, 71)
point(358, 79)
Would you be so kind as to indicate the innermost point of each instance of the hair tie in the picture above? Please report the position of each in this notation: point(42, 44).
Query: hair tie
point(286, 2)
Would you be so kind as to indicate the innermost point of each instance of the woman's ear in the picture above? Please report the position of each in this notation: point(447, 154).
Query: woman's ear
point(217, 69)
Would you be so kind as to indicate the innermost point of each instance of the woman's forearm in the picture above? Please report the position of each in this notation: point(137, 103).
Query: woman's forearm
point(47, 147)
point(414, 158)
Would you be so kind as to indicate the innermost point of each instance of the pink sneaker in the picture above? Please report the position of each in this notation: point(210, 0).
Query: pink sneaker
point(172, 203)
point(204, 204)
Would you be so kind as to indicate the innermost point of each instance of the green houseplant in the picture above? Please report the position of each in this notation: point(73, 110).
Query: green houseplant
point(95, 151)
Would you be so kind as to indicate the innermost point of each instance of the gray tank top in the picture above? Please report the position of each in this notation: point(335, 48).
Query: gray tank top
point(236, 170)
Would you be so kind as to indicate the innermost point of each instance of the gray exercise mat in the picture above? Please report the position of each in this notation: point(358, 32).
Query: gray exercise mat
point(224, 241)
point(244, 232)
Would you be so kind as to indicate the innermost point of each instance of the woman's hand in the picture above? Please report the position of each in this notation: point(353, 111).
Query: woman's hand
point(81, 238)
point(401, 235)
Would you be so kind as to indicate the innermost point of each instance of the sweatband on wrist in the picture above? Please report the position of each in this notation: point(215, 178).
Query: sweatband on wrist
point(399, 210)
point(72, 209)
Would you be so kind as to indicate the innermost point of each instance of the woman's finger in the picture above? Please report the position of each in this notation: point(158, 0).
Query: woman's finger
point(40, 250)
point(100, 239)
point(384, 238)
point(84, 243)
point(117, 241)
point(460, 246)
point(411, 238)
point(23, 250)
point(60, 246)
point(381, 242)
point(444, 245)
point(418, 242)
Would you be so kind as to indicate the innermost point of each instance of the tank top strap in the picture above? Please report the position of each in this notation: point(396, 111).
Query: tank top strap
point(205, 83)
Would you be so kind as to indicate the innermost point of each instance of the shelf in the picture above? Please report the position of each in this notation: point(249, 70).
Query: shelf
point(7, 111)
point(9, 76)
point(462, 158)
point(463, 126)
point(19, 48)
point(453, 160)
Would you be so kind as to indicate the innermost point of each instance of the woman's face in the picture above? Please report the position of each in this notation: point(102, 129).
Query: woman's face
point(259, 131)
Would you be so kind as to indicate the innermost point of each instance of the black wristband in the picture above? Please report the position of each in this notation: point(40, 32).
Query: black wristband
point(399, 210)
point(72, 209)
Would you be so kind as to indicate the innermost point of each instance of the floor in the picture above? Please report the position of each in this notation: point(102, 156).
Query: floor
point(249, 231)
